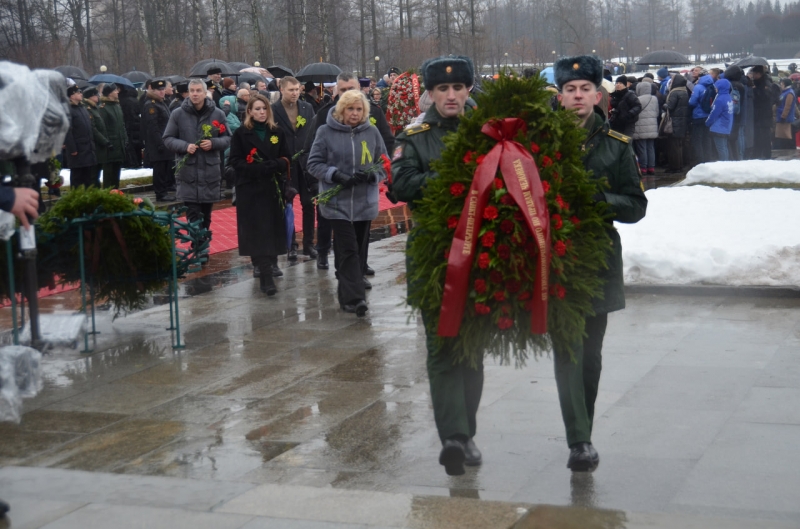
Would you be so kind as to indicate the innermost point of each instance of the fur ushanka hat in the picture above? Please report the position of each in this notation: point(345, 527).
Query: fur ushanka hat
point(581, 67)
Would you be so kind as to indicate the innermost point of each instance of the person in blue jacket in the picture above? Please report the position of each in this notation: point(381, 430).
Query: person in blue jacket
point(700, 139)
point(720, 121)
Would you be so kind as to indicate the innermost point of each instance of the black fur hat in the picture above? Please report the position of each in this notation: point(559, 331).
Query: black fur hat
point(448, 69)
point(578, 68)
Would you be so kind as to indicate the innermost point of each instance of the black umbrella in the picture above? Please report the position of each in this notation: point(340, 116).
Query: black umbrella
point(319, 72)
point(135, 76)
point(750, 61)
point(73, 72)
point(251, 78)
point(664, 58)
point(174, 79)
point(200, 69)
point(279, 71)
point(239, 66)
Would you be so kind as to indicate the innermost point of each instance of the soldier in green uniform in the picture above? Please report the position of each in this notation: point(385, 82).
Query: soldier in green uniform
point(91, 100)
point(155, 116)
point(609, 156)
point(455, 389)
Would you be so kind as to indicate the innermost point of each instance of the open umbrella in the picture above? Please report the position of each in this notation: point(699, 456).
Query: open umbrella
point(549, 75)
point(111, 78)
point(750, 61)
point(664, 58)
point(174, 79)
point(239, 66)
point(200, 69)
point(135, 76)
point(279, 71)
point(319, 72)
point(73, 72)
point(251, 78)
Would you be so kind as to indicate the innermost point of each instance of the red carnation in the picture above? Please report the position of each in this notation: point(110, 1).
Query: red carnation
point(546, 161)
point(221, 129)
point(561, 203)
point(452, 222)
point(500, 296)
point(503, 251)
point(253, 151)
point(556, 221)
point(545, 186)
point(482, 309)
point(490, 213)
point(468, 156)
point(483, 260)
point(249, 158)
point(498, 183)
point(488, 239)
point(556, 177)
point(456, 189)
point(480, 286)
point(575, 220)
point(560, 248)
point(524, 295)
point(558, 155)
point(506, 226)
point(534, 148)
point(507, 200)
point(558, 291)
point(215, 123)
point(513, 286)
point(480, 159)
point(505, 323)
point(496, 277)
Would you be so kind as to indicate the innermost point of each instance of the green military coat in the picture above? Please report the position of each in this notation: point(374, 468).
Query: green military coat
point(115, 132)
point(99, 134)
point(609, 156)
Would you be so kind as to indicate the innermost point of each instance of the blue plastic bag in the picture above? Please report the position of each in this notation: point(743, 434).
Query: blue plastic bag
point(288, 213)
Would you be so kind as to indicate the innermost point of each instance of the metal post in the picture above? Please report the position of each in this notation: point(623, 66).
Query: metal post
point(91, 301)
point(11, 291)
point(174, 285)
point(83, 287)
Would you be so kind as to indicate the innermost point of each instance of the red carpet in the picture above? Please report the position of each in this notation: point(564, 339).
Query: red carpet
point(223, 225)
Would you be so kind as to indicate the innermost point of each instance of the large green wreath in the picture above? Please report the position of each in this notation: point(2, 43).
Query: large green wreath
point(497, 317)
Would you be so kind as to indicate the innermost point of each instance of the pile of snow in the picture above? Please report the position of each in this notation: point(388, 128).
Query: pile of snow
point(706, 235)
point(745, 172)
point(126, 174)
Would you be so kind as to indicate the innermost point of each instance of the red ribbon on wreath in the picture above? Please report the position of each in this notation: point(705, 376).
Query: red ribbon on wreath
point(522, 181)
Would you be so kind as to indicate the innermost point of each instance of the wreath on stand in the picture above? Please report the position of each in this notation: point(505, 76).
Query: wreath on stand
point(403, 103)
point(508, 242)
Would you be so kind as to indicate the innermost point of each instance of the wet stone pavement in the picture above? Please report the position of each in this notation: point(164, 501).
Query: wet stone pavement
point(286, 412)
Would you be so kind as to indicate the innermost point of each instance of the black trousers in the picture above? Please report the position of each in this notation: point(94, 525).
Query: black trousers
point(762, 147)
point(81, 176)
point(163, 177)
point(324, 231)
point(349, 249)
point(675, 153)
point(111, 173)
point(199, 210)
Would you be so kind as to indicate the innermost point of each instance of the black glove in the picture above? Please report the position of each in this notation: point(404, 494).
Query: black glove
point(361, 177)
point(289, 193)
point(110, 146)
point(343, 179)
point(281, 165)
point(160, 149)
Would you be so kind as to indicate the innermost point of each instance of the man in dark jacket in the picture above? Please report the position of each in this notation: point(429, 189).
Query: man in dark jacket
point(131, 113)
point(455, 388)
point(763, 121)
point(91, 100)
point(625, 108)
point(155, 116)
point(199, 179)
point(181, 93)
point(295, 117)
point(609, 157)
point(679, 113)
point(79, 145)
point(215, 77)
point(117, 136)
point(344, 81)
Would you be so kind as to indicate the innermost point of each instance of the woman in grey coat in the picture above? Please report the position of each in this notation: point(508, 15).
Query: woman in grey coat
point(646, 129)
point(199, 179)
point(347, 152)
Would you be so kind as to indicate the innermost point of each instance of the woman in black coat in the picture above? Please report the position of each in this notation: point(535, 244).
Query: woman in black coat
point(260, 156)
point(680, 113)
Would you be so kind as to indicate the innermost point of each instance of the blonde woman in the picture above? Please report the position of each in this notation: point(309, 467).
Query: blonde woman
point(347, 151)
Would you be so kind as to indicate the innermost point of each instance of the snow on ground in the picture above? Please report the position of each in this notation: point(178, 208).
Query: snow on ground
point(706, 235)
point(126, 174)
point(745, 172)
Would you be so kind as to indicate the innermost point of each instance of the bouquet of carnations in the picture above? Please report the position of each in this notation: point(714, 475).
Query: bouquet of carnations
point(208, 133)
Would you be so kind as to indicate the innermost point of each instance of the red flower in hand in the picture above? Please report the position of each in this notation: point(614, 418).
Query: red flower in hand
point(480, 286)
point(488, 239)
point(506, 226)
point(249, 158)
point(545, 186)
point(253, 151)
point(498, 183)
point(468, 156)
point(483, 260)
point(546, 161)
point(505, 323)
point(556, 221)
point(457, 189)
point(560, 248)
point(503, 251)
point(215, 123)
point(576, 221)
point(452, 222)
point(534, 148)
point(490, 213)
point(222, 129)
point(500, 296)
point(496, 277)
point(482, 309)
point(507, 200)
